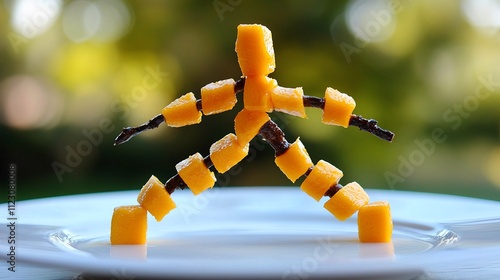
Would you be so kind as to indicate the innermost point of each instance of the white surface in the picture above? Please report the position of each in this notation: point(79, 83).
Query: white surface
point(255, 232)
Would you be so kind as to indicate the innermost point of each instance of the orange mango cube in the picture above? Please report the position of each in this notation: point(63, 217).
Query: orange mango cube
point(155, 199)
point(338, 108)
point(322, 177)
point(218, 97)
point(254, 46)
point(129, 225)
point(248, 123)
point(227, 152)
point(257, 93)
point(195, 174)
point(295, 161)
point(347, 201)
point(289, 101)
point(375, 222)
point(182, 111)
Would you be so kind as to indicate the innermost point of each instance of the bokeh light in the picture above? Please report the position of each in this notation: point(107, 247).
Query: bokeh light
point(97, 20)
point(371, 21)
point(482, 14)
point(31, 18)
point(28, 102)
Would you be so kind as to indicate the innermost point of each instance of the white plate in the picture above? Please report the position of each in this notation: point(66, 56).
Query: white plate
point(267, 232)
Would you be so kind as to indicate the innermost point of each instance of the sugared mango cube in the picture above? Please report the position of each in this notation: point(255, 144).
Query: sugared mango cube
point(195, 174)
point(289, 100)
point(182, 111)
point(227, 152)
point(257, 93)
point(322, 177)
point(129, 225)
point(375, 222)
point(218, 97)
point(295, 161)
point(338, 108)
point(248, 123)
point(347, 201)
point(254, 46)
point(155, 199)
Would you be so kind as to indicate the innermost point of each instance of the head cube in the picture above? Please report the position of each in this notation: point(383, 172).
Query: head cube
point(254, 47)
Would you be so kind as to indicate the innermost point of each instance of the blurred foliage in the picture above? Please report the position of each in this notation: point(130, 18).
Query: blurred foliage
point(73, 73)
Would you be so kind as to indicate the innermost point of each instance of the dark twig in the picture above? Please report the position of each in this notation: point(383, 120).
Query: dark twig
point(357, 121)
point(371, 127)
point(129, 132)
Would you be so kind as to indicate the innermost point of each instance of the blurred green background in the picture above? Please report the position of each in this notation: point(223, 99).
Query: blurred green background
point(73, 73)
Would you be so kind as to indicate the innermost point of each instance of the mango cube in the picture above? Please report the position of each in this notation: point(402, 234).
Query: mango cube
point(218, 97)
point(347, 201)
point(375, 222)
point(155, 199)
point(322, 177)
point(257, 93)
point(128, 225)
point(195, 174)
point(289, 100)
point(254, 46)
point(248, 123)
point(295, 161)
point(338, 108)
point(227, 152)
point(182, 111)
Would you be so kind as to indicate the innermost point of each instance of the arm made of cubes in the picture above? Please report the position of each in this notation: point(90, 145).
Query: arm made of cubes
point(215, 98)
point(263, 95)
point(337, 109)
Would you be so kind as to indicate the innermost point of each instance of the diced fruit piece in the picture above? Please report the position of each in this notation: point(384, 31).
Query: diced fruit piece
point(322, 177)
point(375, 222)
point(155, 199)
point(218, 97)
point(295, 161)
point(195, 174)
point(227, 152)
point(338, 108)
point(248, 123)
point(128, 225)
point(254, 47)
point(182, 111)
point(288, 100)
point(257, 93)
point(347, 201)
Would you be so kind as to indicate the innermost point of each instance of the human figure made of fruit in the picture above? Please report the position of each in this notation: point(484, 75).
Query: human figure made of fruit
point(261, 95)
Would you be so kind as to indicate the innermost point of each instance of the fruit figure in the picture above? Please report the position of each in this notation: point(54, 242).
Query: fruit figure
point(261, 95)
